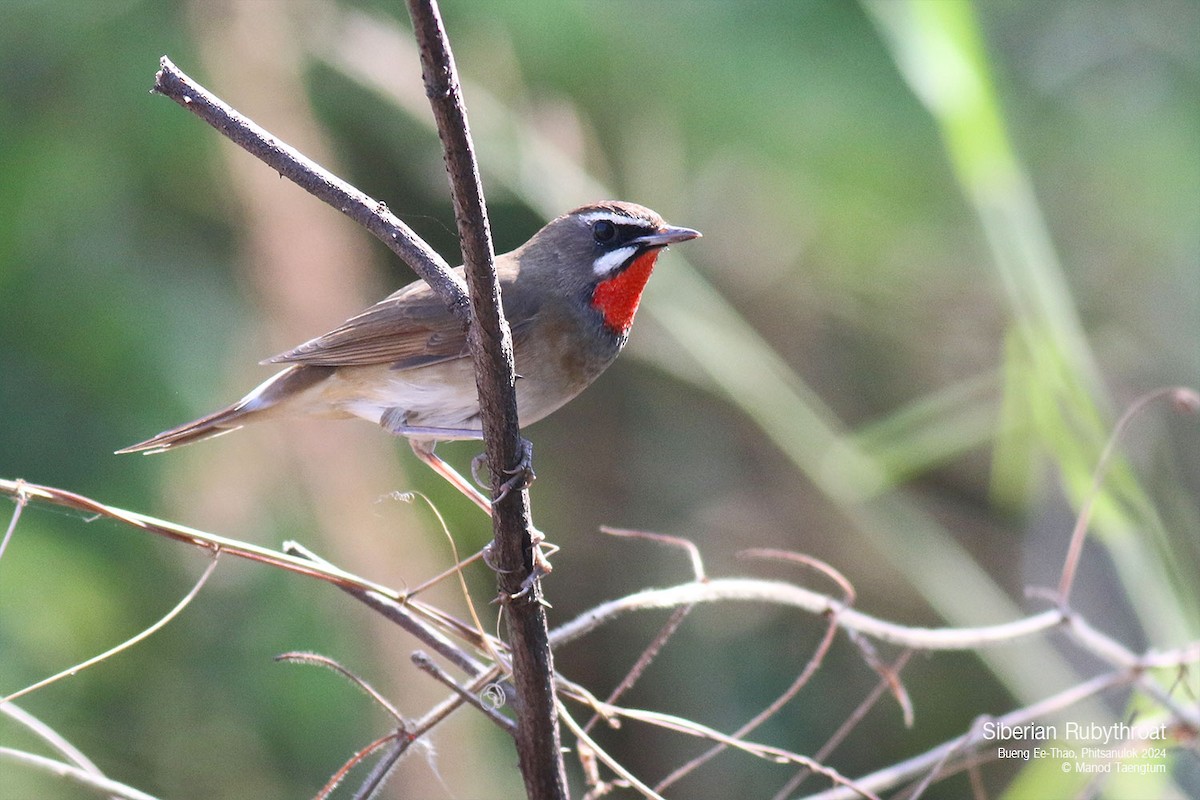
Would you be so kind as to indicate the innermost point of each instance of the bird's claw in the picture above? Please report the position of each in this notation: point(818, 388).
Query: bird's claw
point(541, 568)
point(490, 560)
point(477, 465)
point(522, 474)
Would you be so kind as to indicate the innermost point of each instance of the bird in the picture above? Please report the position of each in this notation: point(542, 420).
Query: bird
point(569, 293)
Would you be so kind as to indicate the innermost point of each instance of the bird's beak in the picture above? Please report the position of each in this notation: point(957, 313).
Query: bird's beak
point(666, 235)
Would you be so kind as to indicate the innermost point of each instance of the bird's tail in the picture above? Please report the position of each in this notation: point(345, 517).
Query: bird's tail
point(289, 382)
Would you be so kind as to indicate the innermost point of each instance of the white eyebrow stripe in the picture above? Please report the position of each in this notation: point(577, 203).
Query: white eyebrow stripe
point(612, 259)
point(615, 217)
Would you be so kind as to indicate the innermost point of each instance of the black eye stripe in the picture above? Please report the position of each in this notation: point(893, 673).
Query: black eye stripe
point(621, 232)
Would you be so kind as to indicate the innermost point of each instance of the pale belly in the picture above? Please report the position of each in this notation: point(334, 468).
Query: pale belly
point(440, 396)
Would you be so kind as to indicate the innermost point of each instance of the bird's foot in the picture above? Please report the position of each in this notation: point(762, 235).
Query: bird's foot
point(522, 475)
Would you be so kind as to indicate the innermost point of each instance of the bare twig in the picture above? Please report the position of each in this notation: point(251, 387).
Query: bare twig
point(672, 624)
point(777, 755)
point(356, 759)
point(850, 723)
point(779, 593)
point(1184, 400)
point(487, 643)
point(539, 749)
point(379, 773)
point(899, 773)
point(849, 595)
point(687, 545)
point(801, 680)
point(978, 792)
point(22, 500)
point(318, 660)
point(891, 678)
point(588, 758)
point(964, 745)
point(50, 737)
point(412, 615)
point(193, 536)
point(415, 617)
point(418, 729)
point(373, 215)
point(746, 589)
point(428, 666)
point(1118, 655)
point(601, 755)
point(431, 625)
point(98, 784)
point(94, 660)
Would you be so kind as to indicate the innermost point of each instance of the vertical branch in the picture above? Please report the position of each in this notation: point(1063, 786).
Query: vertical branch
point(538, 741)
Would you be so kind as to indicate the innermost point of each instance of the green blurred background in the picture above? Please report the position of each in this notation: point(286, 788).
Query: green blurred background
point(945, 246)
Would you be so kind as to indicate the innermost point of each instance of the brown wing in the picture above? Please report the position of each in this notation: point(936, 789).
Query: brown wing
point(409, 328)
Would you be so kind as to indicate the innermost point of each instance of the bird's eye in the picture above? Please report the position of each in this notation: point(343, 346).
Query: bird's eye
point(603, 231)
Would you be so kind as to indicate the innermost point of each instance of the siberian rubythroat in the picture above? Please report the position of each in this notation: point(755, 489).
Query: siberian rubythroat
point(570, 294)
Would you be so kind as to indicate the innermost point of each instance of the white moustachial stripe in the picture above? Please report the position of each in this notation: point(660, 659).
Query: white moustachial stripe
point(611, 260)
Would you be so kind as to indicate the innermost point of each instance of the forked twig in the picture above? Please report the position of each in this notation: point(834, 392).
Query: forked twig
point(414, 734)
point(651, 651)
point(361, 755)
point(844, 730)
point(801, 680)
point(50, 737)
point(425, 622)
point(490, 644)
point(890, 677)
point(601, 755)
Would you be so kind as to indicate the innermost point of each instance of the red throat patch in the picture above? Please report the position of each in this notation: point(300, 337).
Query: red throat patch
point(617, 298)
